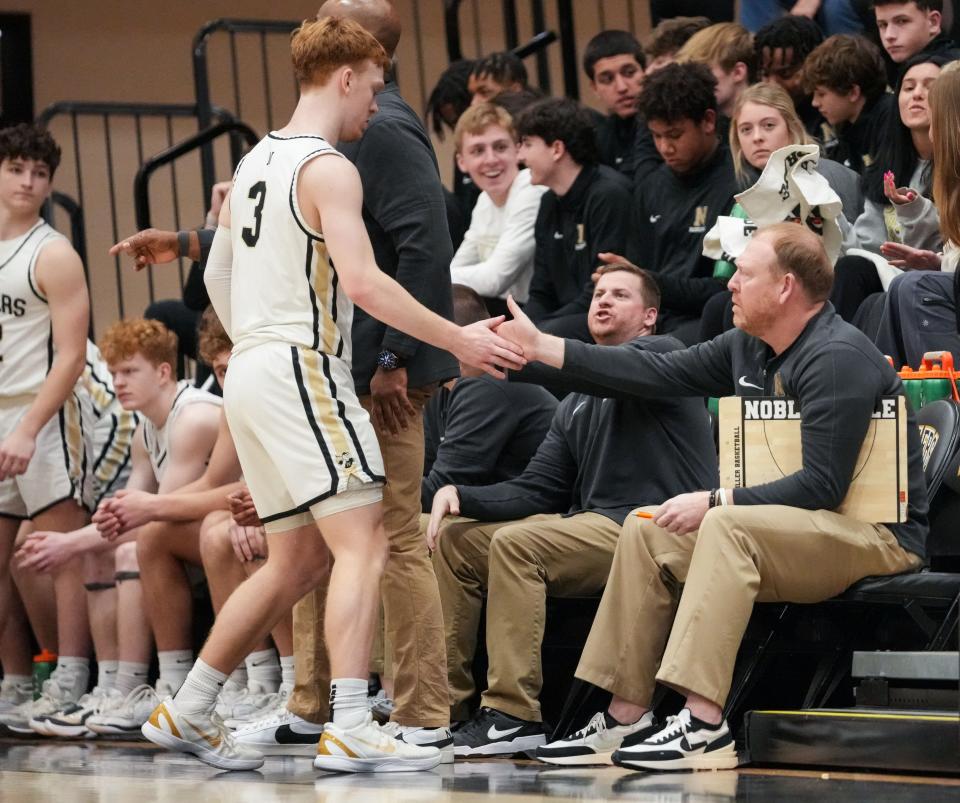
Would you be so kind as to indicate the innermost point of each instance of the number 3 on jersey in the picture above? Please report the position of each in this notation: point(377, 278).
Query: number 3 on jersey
point(258, 192)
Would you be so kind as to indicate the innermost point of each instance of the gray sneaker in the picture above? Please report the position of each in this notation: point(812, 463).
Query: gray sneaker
point(58, 691)
point(14, 694)
point(71, 721)
point(126, 717)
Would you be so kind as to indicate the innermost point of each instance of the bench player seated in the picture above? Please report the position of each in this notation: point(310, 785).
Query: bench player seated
point(203, 505)
point(44, 316)
point(170, 448)
point(108, 435)
point(781, 541)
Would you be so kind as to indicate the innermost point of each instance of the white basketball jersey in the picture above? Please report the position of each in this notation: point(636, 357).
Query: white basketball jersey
point(156, 439)
point(284, 286)
point(26, 340)
point(107, 428)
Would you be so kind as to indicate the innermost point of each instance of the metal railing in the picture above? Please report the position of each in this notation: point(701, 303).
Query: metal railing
point(243, 37)
point(536, 46)
point(104, 145)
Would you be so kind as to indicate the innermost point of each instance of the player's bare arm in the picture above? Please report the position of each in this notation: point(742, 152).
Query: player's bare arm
point(61, 281)
point(330, 192)
point(141, 478)
point(209, 492)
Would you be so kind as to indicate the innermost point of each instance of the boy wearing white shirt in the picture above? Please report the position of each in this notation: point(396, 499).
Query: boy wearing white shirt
point(496, 256)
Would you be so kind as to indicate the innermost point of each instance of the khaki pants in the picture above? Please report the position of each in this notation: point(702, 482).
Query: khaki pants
point(413, 620)
point(518, 563)
point(741, 555)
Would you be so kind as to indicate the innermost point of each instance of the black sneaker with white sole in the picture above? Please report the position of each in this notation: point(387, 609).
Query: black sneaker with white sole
point(595, 743)
point(493, 733)
point(683, 743)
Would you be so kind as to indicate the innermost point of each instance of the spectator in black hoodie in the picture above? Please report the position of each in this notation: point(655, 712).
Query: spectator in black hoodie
point(585, 212)
point(847, 77)
point(614, 62)
point(676, 204)
point(908, 27)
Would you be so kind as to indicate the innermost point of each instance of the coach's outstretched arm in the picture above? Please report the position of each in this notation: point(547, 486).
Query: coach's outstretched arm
point(701, 370)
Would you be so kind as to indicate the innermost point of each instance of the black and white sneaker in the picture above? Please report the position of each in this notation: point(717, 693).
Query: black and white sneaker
point(682, 744)
point(595, 743)
point(282, 733)
point(493, 733)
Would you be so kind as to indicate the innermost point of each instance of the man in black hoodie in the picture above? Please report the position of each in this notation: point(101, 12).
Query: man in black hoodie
point(585, 212)
point(676, 204)
point(908, 27)
point(778, 541)
point(847, 77)
point(614, 62)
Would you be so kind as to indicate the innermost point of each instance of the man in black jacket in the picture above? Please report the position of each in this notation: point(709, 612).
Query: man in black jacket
point(908, 27)
point(676, 204)
point(554, 528)
point(586, 212)
point(779, 541)
point(847, 77)
point(614, 62)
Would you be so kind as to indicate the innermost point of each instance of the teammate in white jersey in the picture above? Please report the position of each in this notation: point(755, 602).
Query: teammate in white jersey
point(107, 435)
point(44, 315)
point(281, 279)
point(205, 502)
point(170, 448)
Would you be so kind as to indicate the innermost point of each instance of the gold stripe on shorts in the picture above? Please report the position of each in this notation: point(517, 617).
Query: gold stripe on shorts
point(325, 406)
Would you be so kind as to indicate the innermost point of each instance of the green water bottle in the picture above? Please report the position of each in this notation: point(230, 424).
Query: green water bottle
point(913, 390)
point(936, 389)
point(43, 666)
point(713, 405)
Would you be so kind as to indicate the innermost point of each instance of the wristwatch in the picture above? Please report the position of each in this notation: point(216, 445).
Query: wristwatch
point(389, 361)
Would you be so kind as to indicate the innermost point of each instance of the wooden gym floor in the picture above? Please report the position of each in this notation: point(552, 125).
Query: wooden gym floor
point(130, 772)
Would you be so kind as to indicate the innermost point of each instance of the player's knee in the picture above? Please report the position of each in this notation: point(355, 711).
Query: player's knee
point(125, 558)
point(151, 543)
point(97, 567)
point(215, 545)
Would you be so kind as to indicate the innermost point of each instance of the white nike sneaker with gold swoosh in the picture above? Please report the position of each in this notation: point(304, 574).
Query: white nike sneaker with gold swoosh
point(203, 735)
point(368, 748)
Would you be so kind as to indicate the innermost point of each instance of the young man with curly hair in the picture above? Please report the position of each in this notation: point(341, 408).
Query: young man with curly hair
point(44, 315)
point(677, 203)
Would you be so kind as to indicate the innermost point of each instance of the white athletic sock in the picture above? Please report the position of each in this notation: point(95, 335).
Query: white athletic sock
point(174, 667)
point(263, 671)
point(237, 682)
point(199, 692)
point(106, 674)
point(16, 681)
point(287, 670)
point(130, 674)
point(79, 670)
point(348, 701)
